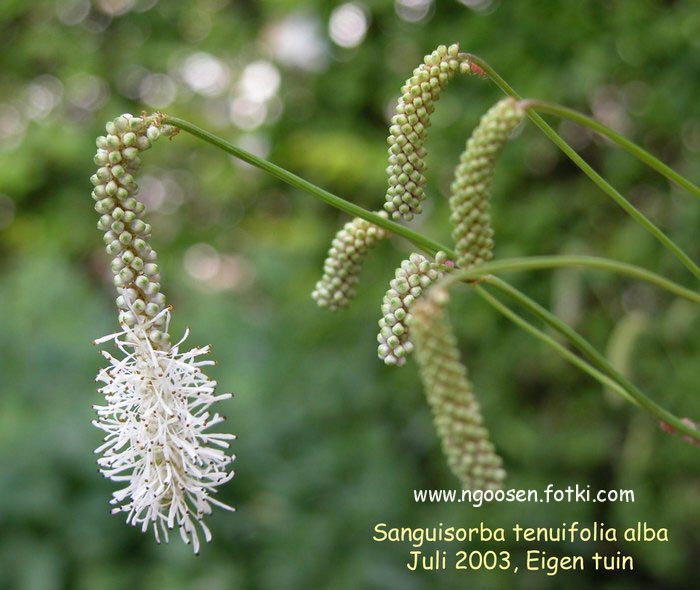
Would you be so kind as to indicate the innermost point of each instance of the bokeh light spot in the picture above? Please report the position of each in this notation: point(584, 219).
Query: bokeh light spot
point(348, 24)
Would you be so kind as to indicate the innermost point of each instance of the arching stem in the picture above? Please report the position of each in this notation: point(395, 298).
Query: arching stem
point(599, 181)
point(606, 374)
point(428, 246)
point(572, 261)
point(549, 341)
point(620, 140)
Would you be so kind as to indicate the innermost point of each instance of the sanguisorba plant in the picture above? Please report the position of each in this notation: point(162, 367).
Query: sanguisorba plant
point(157, 399)
point(156, 413)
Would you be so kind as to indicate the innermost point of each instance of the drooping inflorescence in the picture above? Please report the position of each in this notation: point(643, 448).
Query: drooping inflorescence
point(415, 274)
point(465, 440)
point(156, 413)
point(409, 128)
point(343, 263)
point(469, 203)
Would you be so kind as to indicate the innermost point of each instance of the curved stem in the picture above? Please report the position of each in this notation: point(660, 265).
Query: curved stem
point(425, 244)
point(607, 375)
point(627, 145)
point(574, 338)
point(431, 247)
point(603, 184)
point(549, 341)
point(543, 262)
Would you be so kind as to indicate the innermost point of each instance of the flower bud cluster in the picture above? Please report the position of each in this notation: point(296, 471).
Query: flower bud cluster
point(342, 266)
point(409, 127)
point(411, 279)
point(471, 216)
point(157, 398)
point(126, 234)
point(457, 416)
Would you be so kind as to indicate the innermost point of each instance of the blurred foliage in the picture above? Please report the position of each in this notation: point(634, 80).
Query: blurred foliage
point(332, 442)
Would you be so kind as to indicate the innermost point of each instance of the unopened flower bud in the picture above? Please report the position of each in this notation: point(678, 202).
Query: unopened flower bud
point(469, 203)
point(457, 416)
point(152, 133)
point(409, 127)
point(411, 279)
point(342, 266)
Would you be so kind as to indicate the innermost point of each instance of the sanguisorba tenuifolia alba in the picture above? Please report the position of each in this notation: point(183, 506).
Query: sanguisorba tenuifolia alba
point(157, 398)
point(411, 279)
point(471, 188)
point(341, 269)
point(409, 129)
point(405, 172)
point(464, 438)
point(457, 417)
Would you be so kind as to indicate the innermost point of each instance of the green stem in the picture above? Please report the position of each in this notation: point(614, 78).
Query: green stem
point(431, 247)
point(543, 262)
point(607, 375)
point(629, 146)
point(595, 357)
point(599, 181)
point(549, 341)
point(425, 244)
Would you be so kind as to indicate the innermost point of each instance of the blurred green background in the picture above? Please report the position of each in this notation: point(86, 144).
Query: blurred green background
point(330, 441)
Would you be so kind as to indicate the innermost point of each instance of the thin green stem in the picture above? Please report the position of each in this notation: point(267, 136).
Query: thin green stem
point(425, 244)
point(431, 247)
point(574, 338)
point(607, 375)
point(629, 146)
point(549, 341)
point(599, 181)
point(543, 262)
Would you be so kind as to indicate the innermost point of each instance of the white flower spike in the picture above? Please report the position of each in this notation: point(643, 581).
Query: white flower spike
point(157, 399)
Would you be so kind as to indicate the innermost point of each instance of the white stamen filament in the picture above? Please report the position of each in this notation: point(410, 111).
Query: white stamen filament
point(155, 415)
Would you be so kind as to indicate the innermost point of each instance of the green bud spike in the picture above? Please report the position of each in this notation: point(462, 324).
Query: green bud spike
point(411, 279)
point(409, 127)
point(342, 266)
point(471, 189)
point(456, 413)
